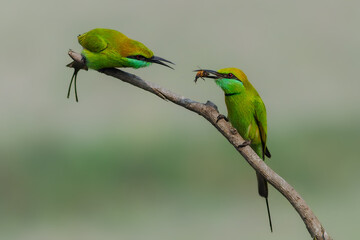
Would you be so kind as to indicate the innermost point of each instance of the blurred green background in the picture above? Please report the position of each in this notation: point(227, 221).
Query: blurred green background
point(123, 164)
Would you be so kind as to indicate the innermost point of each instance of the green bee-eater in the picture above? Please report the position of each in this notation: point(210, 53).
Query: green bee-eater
point(106, 48)
point(246, 112)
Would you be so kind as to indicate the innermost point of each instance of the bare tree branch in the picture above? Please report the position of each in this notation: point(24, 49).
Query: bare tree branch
point(209, 111)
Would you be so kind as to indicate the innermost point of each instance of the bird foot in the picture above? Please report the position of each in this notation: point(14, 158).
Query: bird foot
point(220, 116)
point(244, 144)
point(233, 131)
point(211, 104)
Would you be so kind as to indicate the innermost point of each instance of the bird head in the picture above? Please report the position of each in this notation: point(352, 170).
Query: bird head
point(138, 55)
point(231, 80)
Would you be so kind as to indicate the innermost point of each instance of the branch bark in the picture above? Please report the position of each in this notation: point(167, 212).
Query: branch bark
point(209, 112)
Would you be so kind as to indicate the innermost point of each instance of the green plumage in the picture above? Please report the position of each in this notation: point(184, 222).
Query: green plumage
point(107, 48)
point(246, 112)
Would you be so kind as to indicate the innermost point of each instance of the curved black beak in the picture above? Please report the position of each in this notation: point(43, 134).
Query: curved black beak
point(204, 73)
point(159, 60)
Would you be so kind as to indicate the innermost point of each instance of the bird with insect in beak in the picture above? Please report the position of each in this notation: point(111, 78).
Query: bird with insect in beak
point(246, 112)
point(107, 48)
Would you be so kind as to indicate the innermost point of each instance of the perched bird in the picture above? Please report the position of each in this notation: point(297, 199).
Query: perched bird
point(106, 48)
point(246, 112)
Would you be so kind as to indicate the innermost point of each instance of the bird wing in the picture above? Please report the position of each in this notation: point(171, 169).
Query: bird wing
point(260, 117)
point(92, 42)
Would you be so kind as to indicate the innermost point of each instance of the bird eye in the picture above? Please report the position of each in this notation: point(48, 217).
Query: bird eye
point(138, 57)
point(230, 75)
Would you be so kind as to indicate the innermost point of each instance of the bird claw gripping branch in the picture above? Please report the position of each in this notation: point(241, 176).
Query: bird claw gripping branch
point(220, 116)
point(244, 144)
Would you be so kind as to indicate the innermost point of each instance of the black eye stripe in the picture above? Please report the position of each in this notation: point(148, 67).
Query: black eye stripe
point(137, 57)
point(232, 76)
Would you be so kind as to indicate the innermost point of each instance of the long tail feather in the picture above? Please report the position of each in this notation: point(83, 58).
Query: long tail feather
point(75, 86)
point(268, 210)
point(263, 192)
point(77, 67)
point(71, 81)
